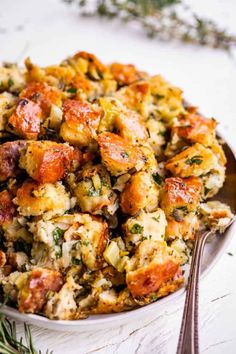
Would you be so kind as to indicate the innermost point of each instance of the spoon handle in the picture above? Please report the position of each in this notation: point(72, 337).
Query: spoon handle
point(188, 338)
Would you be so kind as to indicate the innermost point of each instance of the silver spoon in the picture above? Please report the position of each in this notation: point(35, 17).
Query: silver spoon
point(188, 338)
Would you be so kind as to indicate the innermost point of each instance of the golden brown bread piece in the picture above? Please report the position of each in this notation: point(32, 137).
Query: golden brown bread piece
point(80, 122)
point(149, 268)
point(124, 74)
point(118, 155)
point(196, 160)
point(43, 94)
point(180, 193)
point(196, 128)
point(47, 161)
point(140, 192)
point(26, 119)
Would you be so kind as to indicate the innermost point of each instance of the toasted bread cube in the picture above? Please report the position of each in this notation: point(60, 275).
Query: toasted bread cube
point(91, 234)
point(149, 268)
point(181, 195)
point(137, 97)
point(131, 126)
point(196, 128)
point(46, 161)
point(26, 119)
point(33, 292)
point(9, 158)
point(167, 98)
point(12, 78)
point(7, 208)
point(124, 74)
point(94, 192)
point(183, 227)
point(46, 199)
point(89, 64)
point(7, 104)
point(140, 192)
point(81, 121)
point(118, 155)
point(144, 226)
point(43, 94)
point(193, 161)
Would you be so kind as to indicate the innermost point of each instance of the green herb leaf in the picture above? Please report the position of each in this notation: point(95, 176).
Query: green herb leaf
point(157, 178)
point(57, 234)
point(72, 90)
point(76, 261)
point(194, 160)
point(136, 229)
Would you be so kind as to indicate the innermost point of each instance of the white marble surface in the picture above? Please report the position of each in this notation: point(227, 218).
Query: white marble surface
point(47, 31)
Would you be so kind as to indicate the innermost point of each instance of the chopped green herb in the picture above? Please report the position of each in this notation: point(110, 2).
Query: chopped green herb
point(57, 234)
point(76, 261)
point(72, 90)
point(206, 190)
point(58, 252)
point(157, 178)
point(162, 133)
point(159, 97)
point(153, 297)
point(230, 254)
point(10, 82)
point(194, 160)
point(86, 242)
point(136, 229)
point(156, 218)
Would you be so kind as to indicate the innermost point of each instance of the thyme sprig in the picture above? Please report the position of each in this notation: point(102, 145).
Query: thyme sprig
point(11, 344)
point(165, 19)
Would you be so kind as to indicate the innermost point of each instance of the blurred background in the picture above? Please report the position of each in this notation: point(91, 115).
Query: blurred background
point(176, 42)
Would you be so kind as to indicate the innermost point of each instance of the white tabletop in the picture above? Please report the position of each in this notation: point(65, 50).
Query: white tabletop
point(47, 31)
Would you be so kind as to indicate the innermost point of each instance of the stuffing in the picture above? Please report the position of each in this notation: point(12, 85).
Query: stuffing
point(9, 158)
point(196, 160)
point(195, 128)
point(180, 200)
point(215, 215)
point(105, 189)
point(144, 226)
point(11, 78)
point(180, 196)
point(34, 288)
point(140, 192)
point(136, 96)
point(46, 161)
point(118, 155)
point(80, 123)
point(26, 119)
point(93, 191)
point(47, 199)
point(149, 268)
point(167, 98)
point(43, 94)
point(7, 106)
point(62, 305)
point(125, 74)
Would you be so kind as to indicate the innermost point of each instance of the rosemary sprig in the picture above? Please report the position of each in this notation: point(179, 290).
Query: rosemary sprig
point(10, 344)
point(165, 19)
